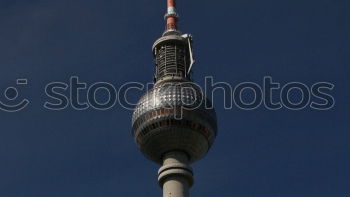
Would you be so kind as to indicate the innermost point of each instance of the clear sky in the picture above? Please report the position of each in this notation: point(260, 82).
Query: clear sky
point(91, 153)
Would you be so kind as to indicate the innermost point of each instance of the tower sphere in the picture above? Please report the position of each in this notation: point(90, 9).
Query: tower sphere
point(174, 116)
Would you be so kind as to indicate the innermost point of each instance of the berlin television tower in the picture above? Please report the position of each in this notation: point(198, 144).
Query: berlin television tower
point(174, 124)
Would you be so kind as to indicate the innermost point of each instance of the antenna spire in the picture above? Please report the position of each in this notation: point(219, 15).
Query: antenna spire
point(171, 16)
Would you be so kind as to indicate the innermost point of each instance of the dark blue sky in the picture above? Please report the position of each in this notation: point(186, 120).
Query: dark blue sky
point(91, 153)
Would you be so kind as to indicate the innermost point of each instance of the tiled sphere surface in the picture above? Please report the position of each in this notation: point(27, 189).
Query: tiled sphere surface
point(174, 116)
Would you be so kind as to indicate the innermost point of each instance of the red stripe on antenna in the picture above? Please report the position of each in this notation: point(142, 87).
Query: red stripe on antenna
point(171, 3)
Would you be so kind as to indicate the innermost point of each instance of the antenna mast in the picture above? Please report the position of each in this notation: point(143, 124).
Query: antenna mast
point(171, 16)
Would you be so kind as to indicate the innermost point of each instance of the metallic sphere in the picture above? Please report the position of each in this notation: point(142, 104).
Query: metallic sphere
point(174, 116)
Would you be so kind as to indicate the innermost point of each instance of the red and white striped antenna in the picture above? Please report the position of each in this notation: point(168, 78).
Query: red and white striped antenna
point(171, 16)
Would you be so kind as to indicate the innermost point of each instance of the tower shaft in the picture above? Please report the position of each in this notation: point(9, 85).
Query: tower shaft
point(175, 176)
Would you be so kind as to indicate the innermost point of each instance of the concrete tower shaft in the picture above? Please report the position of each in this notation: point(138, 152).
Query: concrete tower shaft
point(175, 176)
